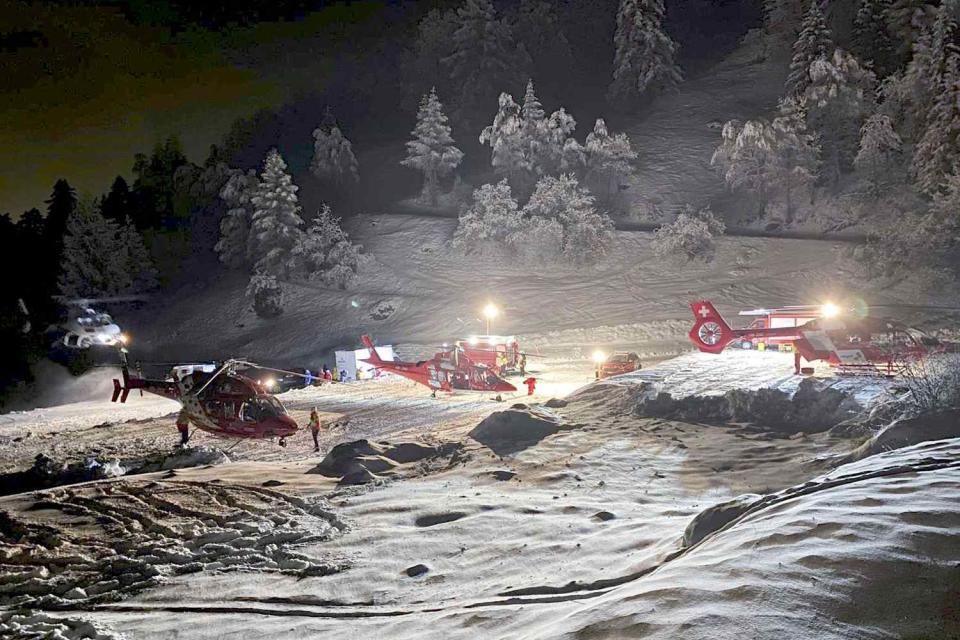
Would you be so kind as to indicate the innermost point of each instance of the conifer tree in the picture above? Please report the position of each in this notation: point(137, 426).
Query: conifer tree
point(234, 244)
point(100, 258)
point(485, 56)
point(904, 19)
point(645, 63)
point(938, 151)
point(61, 203)
point(325, 252)
point(839, 98)
point(547, 145)
point(333, 160)
point(781, 19)
point(608, 160)
point(539, 29)
point(117, 204)
point(432, 150)
point(434, 43)
point(492, 217)
point(880, 150)
point(505, 138)
point(871, 39)
point(812, 43)
point(587, 233)
point(276, 222)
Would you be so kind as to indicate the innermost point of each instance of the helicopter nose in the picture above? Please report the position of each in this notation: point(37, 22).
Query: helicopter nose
point(505, 386)
point(285, 426)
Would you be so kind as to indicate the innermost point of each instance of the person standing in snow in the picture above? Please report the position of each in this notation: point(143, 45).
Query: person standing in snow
point(523, 364)
point(327, 376)
point(315, 428)
point(531, 383)
point(343, 375)
point(183, 426)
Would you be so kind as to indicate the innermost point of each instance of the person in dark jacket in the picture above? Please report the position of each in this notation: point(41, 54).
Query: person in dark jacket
point(183, 426)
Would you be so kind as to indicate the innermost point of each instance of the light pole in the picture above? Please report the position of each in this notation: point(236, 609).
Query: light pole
point(490, 312)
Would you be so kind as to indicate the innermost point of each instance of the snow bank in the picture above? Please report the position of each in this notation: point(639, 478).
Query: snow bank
point(515, 429)
point(362, 461)
point(909, 431)
point(812, 408)
point(31, 624)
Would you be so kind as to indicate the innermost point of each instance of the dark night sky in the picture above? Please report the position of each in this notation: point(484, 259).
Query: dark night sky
point(84, 88)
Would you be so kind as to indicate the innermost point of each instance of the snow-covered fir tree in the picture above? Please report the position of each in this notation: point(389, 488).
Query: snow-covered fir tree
point(691, 236)
point(275, 221)
point(608, 161)
point(485, 56)
point(538, 27)
point(234, 244)
point(840, 97)
point(938, 151)
point(432, 150)
point(547, 143)
point(325, 252)
point(102, 259)
point(881, 150)
point(871, 39)
point(795, 153)
point(266, 295)
point(813, 42)
point(492, 216)
point(904, 19)
point(587, 233)
point(645, 62)
point(505, 139)
point(333, 160)
point(433, 44)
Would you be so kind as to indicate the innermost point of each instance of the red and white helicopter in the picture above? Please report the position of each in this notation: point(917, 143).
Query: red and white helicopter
point(218, 400)
point(446, 371)
point(854, 343)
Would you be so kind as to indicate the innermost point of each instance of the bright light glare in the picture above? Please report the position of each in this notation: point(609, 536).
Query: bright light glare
point(472, 341)
point(599, 356)
point(829, 310)
point(124, 338)
point(269, 382)
point(490, 311)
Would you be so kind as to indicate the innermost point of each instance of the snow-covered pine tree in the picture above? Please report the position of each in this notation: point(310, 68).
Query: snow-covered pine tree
point(547, 143)
point(871, 40)
point(813, 42)
point(234, 244)
point(491, 218)
point(333, 160)
point(275, 222)
point(505, 138)
point(587, 233)
point(485, 56)
point(325, 252)
point(266, 294)
point(538, 28)
point(938, 152)
point(795, 153)
point(645, 62)
point(881, 150)
point(746, 159)
point(432, 150)
point(434, 42)
point(840, 96)
point(101, 259)
point(608, 161)
point(904, 19)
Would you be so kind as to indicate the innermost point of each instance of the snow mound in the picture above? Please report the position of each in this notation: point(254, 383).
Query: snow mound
point(812, 408)
point(867, 551)
point(362, 461)
point(515, 429)
point(193, 457)
point(31, 624)
point(910, 431)
point(135, 535)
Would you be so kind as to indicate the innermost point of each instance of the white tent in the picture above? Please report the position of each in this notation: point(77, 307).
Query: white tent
point(351, 362)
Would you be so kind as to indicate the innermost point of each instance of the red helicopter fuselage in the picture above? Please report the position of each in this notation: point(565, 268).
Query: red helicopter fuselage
point(225, 403)
point(445, 371)
point(877, 344)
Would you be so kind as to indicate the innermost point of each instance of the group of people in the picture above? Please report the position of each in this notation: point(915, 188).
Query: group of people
point(326, 375)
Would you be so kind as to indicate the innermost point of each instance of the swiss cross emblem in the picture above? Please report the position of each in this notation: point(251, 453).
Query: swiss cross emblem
point(703, 311)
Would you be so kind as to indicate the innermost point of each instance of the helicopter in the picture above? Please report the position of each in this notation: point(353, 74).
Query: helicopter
point(446, 371)
point(217, 399)
point(851, 342)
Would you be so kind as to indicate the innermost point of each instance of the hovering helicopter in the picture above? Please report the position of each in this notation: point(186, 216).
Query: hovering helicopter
point(853, 343)
point(219, 400)
point(446, 371)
